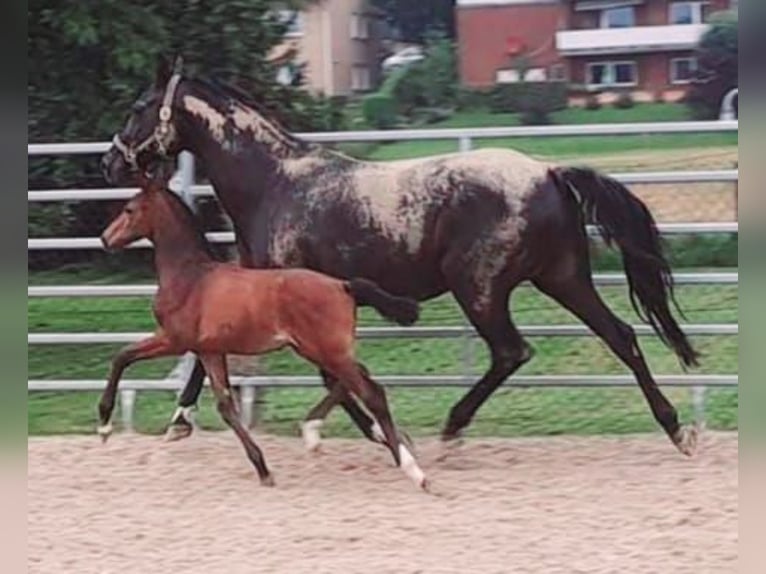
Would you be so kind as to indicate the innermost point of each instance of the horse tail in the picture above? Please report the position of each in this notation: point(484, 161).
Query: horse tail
point(401, 310)
point(623, 219)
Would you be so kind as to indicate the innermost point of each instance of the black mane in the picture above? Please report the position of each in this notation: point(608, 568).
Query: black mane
point(229, 91)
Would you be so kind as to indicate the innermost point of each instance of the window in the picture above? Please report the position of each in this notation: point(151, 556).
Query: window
point(360, 78)
point(360, 27)
point(612, 74)
point(624, 17)
point(686, 12)
point(682, 70)
point(557, 73)
point(294, 22)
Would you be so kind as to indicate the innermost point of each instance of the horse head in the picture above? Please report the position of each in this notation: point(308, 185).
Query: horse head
point(150, 135)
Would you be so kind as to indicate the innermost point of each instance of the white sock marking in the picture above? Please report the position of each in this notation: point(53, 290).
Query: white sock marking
point(310, 431)
point(185, 412)
point(377, 432)
point(410, 466)
point(105, 430)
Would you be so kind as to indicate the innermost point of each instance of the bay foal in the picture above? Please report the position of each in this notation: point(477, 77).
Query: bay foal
point(214, 308)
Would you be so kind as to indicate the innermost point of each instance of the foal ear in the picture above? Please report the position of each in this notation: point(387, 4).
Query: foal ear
point(163, 73)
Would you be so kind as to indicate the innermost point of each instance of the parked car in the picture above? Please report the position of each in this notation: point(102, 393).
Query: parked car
point(403, 58)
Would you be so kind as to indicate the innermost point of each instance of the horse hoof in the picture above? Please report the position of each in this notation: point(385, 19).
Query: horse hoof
point(104, 431)
point(425, 485)
point(177, 432)
point(268, 480)
point(686, 439)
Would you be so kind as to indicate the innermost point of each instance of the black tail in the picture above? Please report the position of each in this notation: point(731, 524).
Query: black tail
point(622, 218)
point(401, 310)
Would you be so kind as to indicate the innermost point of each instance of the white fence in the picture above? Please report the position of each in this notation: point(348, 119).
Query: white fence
point(464, 139)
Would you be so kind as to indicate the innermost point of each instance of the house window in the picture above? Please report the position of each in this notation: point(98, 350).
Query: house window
point(294, 22)
point(360, 78)
point(607, 74)
point(360, 27)
point(557, 73)
point(686, 12)
point(682, 70)
point(623, 17)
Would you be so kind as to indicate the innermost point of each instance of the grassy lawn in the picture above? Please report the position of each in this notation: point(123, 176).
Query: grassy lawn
point(509, 412)
point(559, 146)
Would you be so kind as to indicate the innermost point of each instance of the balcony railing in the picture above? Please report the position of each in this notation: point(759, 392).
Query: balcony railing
point(629, 40)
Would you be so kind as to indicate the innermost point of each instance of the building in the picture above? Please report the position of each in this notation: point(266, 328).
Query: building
point(337, 42)
point(605, 47)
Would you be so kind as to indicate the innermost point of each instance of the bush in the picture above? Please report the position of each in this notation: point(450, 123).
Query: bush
point(592, 102)
point(717, 61)
point(379, 110)
point(525, 96)
point(624, 101)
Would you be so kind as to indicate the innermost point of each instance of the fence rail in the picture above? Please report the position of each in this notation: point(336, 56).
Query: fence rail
point(464, 138)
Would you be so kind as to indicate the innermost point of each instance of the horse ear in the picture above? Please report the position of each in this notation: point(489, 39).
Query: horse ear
point(178, 65)
point(162, 75)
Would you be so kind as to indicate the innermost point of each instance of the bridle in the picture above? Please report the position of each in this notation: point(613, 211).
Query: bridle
point(163, 134)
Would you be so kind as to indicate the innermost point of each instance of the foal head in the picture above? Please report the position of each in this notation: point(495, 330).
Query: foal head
point(138, 219)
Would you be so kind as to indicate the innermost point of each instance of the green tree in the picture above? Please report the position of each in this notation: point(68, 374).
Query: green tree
point(718, 64)
point(414, 19)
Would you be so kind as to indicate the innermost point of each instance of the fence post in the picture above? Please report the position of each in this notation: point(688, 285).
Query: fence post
point(185, 177)
point(469, 342)
point(127, 404)
point(698, 403)
point(247, 401)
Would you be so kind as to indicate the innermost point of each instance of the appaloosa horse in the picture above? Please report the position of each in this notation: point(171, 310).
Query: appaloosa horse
point(476, 224)
point(215, 308)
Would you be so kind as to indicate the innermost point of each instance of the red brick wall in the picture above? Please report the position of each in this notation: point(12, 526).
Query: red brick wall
point(483, 32)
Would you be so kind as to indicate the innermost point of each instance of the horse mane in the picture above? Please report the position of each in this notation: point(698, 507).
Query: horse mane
point(227, 90)
point(190, 220)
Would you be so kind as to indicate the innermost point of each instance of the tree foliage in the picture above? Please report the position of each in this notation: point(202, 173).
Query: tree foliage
point(87, 59)
point(414, 19)
point(717, 66)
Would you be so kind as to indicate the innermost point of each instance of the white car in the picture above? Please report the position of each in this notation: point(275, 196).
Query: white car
point(403, 58)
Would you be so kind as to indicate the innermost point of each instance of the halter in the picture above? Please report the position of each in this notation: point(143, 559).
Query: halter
point(163, 133)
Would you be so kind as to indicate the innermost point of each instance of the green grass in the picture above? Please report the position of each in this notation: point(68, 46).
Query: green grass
point(510, 412)
point(559, 146)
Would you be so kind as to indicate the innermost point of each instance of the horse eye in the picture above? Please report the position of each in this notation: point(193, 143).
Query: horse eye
point(129, 210)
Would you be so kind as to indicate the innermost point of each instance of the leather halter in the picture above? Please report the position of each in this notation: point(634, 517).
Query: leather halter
point(163, 133)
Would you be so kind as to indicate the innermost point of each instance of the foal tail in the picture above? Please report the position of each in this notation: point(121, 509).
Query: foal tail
point(623, 219)
point(401, 310)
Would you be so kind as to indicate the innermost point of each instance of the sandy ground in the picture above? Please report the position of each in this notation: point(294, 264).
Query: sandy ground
point(630, 504)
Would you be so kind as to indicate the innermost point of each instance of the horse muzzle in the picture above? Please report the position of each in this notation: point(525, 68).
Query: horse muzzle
point(115, 169)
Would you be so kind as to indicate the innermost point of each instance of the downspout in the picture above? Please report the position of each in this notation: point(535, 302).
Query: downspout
point(329, 88)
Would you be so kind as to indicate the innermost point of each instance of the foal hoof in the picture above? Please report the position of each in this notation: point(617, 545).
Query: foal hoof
point(178, 431)
point(105, 431)
point(686, 439)
point(268, 480)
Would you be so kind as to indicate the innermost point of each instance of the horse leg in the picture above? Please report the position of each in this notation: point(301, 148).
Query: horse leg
point(336, 394)
point(490, 316)
point(153, 347)
point(357, 380)
point(180, 425)
point(215, 365)
point(578, 295)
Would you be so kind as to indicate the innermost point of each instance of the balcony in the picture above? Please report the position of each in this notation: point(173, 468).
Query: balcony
point(634, 40)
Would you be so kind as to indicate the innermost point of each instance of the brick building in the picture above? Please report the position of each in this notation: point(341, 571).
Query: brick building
point(598, 46)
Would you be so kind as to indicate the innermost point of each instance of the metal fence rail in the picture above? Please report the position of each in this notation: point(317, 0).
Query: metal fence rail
point(464, 138)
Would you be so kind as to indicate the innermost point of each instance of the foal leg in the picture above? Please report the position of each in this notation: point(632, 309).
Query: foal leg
point(215, 365)
point(579, 296)
point(155, 346)
point(336, 394)
point(357, 380)
point(180, 425)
